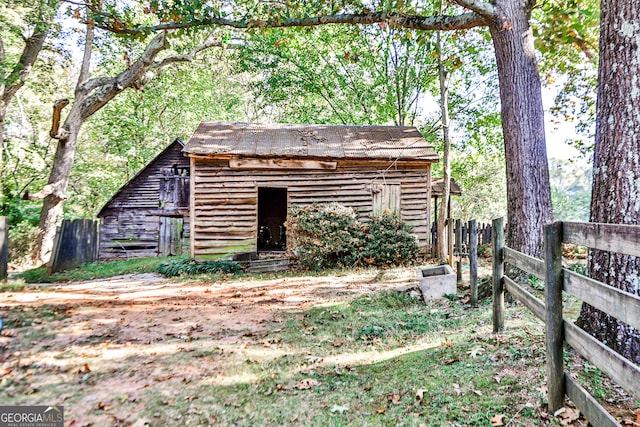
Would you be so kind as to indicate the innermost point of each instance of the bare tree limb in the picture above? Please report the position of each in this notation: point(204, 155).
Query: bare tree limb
point(57, 111)
point(209, 43)
point(86, 58)
point(46, 190)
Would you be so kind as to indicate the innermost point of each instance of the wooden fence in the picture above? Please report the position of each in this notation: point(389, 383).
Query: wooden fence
point(483, 233)
point(76, 244)
point(623, 239)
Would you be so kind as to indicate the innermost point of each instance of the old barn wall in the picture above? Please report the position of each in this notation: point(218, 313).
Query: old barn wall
point(225, 201)
point(131, 223)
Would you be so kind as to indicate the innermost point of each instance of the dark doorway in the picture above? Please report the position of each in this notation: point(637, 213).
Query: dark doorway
point(272, 213)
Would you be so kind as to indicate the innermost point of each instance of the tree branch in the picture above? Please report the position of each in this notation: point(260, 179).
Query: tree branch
point(209, 43)
point(91, 84)
point(18, 76)
point(445, 22)
point(484, 9)
point(86, 58)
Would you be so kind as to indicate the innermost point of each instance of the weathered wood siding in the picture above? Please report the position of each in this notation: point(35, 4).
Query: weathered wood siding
point(130, 223)
point(225, 201)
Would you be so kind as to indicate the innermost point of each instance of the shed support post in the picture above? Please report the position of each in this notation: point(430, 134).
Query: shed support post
point(498, 272)
point(553, 313)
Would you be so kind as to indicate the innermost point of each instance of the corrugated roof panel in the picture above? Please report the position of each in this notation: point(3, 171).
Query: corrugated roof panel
point(354, 142)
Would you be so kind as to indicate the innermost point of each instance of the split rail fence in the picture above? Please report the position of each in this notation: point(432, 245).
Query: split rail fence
point(624, 239)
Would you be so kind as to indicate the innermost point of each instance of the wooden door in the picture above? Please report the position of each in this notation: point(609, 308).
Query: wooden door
point(386, 198)
point(170, 236)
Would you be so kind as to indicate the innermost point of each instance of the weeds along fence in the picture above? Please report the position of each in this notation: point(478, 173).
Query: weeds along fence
point(624, 239)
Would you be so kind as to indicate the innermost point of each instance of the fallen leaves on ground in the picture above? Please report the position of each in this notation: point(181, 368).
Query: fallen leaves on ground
point(567, 415)
point(306, 384)
point(420, 395)
point(497, 420)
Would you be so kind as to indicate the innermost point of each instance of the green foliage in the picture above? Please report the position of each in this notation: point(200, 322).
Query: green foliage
point(325, 236)
point(330, 235)
point(341, 74)
point(184, 266)
point(93, 270)
point(388, 241)
point(22, 238)
point(570, 190)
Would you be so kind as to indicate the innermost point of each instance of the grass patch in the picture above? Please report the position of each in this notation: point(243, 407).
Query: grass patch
point(93, 270)
point(383, 359)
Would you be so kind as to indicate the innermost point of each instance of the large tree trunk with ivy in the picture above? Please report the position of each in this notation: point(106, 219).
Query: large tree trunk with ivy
point(616, 172)
point(528, 191)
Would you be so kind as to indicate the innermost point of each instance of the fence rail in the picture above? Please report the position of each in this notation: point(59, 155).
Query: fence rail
point(622, 305)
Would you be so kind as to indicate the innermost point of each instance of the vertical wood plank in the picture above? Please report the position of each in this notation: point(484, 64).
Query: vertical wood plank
point(498, 272)
point(450, 240)
point(459, 250)
point(473, 262)
point(4, 246)
point(554, 322)
point(192, 207)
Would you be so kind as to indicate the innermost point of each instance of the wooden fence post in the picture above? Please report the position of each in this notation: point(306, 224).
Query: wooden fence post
point(473, 262)
point(450, 240)
point(554, 322)
point(459, 247)
point(4, 246)
point(498, 271)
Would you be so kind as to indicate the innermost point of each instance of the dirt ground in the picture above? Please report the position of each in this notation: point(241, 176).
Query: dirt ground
point(96, 345)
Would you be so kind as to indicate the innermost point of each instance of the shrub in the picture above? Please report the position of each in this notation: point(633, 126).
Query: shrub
point(182, 266)
point(324, 236)
point(22, 239)
point(388, 241)
point(329, 235)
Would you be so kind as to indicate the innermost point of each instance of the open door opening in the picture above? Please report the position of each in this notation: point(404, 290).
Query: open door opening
point(272, 214)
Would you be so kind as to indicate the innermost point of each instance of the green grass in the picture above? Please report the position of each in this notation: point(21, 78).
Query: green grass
point(93, 270)
point(386, 359)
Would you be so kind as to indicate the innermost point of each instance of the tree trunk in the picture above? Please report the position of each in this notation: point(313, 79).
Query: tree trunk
point(443, 236)
point(52, 206)
point(616, 170)
point(528, 191)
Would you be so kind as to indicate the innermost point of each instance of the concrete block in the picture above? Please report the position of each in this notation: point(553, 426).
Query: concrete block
point(435, 282)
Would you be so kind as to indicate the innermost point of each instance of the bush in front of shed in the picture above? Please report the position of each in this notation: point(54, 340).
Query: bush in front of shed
point(388, 241)
point(324, 235)
point(330, 235)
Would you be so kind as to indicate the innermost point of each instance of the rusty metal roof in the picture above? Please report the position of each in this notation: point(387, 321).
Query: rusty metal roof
point(310, 141)
point(437, 187)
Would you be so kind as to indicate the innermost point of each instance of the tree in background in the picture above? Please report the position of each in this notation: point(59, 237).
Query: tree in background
point(616, 173)
point(340, 74)
point(24, 27)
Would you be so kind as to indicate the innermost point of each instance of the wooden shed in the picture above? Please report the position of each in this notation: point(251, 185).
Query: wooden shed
point(246, 177)
point(149, 215)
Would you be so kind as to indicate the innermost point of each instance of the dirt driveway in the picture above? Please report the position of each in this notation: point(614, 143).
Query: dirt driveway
point(96, 346)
